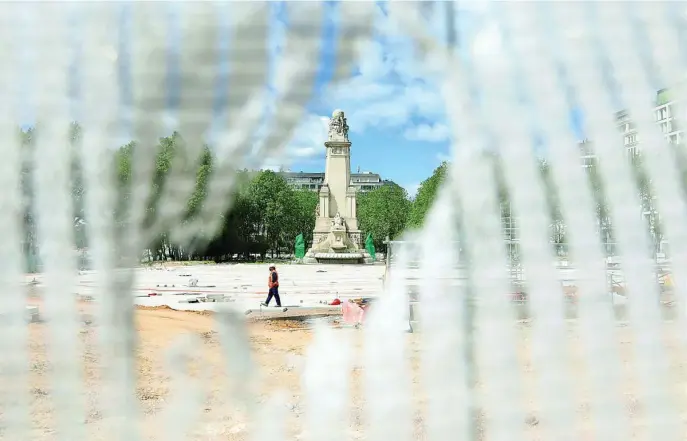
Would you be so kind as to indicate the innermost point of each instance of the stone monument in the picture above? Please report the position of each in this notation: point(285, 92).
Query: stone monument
point(336, 238)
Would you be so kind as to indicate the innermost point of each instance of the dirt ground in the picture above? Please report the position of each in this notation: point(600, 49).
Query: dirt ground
point(278, 347)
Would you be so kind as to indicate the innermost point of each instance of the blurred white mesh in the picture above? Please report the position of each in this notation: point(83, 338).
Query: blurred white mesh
point(505, 110)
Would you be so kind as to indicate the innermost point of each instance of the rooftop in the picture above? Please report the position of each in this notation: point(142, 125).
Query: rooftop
point(321, 174)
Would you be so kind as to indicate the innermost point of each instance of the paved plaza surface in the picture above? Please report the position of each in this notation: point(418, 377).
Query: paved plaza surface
point(243, 285)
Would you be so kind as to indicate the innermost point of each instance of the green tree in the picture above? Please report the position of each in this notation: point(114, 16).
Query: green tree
point(77, 183)
point(166, 151)
point(30, 240)
point(384, 212)
point(273, 202)
point(426, 195)
point(238, 235)
point(509, 225)
point(305, 203)
point(603, 215)
point(196, 206)
point(647, 197)
point(557, 225)
point(509, 221)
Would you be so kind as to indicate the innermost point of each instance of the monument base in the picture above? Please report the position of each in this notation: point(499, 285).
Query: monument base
point(354, 258)
point(323, 228)
point(336, 241)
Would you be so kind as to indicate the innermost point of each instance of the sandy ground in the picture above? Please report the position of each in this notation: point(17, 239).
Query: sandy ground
point(277, 347)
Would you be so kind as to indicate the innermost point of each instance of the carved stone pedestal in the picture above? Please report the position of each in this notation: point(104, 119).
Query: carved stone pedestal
point(336, 237)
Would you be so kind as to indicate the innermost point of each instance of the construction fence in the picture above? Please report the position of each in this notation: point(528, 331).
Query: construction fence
point(567, 277)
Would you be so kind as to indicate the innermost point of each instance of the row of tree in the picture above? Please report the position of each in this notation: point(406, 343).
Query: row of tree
point(264, 213)
point(264, 217)
point(412, 215)
point(605, 225)
point(267, 214)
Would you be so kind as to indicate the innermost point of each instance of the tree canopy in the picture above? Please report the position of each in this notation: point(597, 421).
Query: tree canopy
point(264, 218)
point(426, 196)
point(383, 212)
point(266, 215)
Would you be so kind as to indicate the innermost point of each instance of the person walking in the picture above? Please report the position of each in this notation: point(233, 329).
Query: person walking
point(273, 285)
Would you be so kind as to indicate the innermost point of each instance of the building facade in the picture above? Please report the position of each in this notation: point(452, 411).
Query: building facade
point(665, 115)
point(363, 182)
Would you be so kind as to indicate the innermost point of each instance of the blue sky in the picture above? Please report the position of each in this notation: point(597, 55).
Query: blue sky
point(393, 104)
point(395, 112)
point(394, 107)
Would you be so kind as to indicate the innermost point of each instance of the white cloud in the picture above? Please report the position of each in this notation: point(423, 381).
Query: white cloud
point(307, 143)
point(428, 132)
point(303, 152)
point(389, 92)
point(308, 138)
point(391, 89)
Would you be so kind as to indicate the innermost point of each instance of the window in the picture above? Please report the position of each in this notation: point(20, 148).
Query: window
point(630, 139)
point(666, 127)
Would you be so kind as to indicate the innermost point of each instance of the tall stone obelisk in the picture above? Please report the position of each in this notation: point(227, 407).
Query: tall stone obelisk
point(336, 236)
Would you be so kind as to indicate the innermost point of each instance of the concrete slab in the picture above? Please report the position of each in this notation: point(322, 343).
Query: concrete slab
point(244, 285)
point(297, 313)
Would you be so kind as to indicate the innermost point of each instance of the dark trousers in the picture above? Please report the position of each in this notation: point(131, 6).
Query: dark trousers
point(274, 292)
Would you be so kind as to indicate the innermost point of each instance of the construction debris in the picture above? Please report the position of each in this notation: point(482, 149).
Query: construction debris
point(32, 315)
point(216, 298)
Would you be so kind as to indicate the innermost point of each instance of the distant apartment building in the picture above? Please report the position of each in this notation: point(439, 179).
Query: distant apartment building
point(665, 115)
point(363, 182)
point(587, 155)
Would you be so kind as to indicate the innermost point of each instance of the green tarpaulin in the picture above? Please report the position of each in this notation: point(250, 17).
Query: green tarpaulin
point(299, 251)
point(370, 246)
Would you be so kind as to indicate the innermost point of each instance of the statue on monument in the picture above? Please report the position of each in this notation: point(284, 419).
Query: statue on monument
point(317, 209)
point(338, 129)
point(338, 221)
